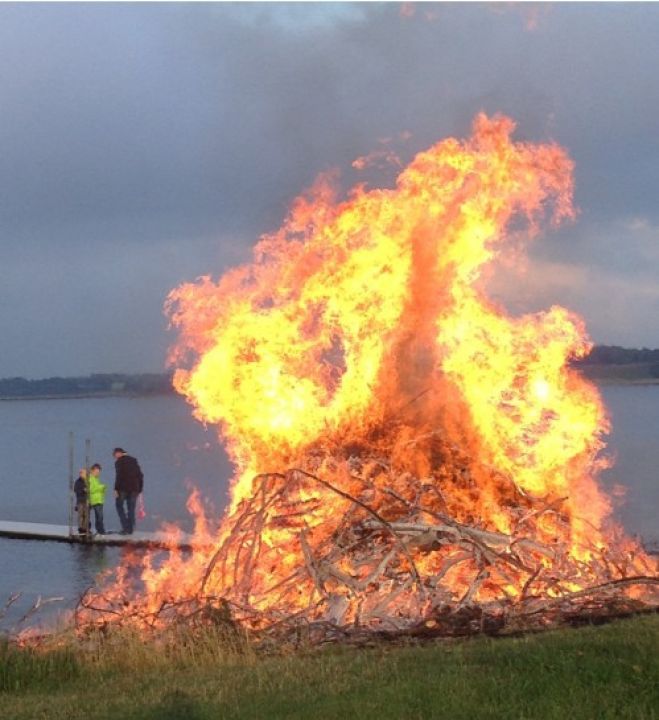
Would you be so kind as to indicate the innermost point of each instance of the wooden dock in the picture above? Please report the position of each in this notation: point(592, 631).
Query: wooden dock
point(60, 533)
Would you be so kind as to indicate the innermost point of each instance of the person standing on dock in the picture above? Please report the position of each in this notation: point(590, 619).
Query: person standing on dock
point(97, 497)
point(128, 484)
point(81, 490)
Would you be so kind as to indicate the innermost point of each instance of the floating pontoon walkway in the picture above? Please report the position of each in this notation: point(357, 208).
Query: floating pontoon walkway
point(60, 533)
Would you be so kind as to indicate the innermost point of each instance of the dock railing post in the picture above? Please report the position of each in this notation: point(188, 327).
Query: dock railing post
point(71, 498)
point(88, 536)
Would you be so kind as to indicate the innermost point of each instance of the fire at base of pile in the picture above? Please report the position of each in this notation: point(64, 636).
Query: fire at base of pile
point(388, 563)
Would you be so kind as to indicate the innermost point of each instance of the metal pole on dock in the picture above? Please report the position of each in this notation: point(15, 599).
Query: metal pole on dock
point(71, 441)
point(88, 444)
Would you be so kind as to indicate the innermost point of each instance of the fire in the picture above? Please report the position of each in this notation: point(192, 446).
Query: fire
point(400, 441)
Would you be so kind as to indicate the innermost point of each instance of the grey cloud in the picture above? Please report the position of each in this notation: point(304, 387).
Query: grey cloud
point(144, 144)
point(607, 273)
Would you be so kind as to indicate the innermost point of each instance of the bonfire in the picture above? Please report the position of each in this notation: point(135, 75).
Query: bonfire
point(410, 458)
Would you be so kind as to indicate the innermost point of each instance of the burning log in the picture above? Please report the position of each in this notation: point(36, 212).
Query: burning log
point(418, 573)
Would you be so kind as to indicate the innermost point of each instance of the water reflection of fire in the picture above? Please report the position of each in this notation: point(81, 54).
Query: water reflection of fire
point(406, 452)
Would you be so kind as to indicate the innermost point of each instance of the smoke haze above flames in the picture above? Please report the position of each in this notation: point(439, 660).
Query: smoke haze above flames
point(144, 145)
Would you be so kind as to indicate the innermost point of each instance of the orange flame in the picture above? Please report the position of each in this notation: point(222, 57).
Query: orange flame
point(362, 324)
point(354, 306)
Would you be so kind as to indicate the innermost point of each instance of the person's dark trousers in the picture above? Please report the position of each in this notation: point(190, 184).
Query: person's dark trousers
point(98, 519)
point(127, 515)
point(83, 518)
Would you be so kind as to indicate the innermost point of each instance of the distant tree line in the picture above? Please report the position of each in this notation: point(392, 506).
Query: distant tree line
point(616, 361)
point(645, 360)
point(97, 384)
point(616, 355)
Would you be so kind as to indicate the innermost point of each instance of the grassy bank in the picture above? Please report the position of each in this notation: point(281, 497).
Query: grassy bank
point(605, 672)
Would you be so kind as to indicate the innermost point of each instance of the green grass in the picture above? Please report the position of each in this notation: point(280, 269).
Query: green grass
point(603, 672)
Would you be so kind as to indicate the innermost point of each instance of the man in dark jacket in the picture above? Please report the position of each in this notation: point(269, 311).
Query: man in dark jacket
point(128, 484)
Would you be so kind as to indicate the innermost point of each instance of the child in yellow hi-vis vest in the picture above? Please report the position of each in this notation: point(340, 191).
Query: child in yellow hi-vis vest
point(97, 497)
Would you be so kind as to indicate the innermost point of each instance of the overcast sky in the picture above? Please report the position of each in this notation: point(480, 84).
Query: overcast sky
point(144, 145)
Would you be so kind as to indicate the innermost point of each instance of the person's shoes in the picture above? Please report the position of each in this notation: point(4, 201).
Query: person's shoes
point(124, 532)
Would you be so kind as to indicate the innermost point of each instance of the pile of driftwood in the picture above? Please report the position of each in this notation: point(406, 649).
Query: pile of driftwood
point(381, 553)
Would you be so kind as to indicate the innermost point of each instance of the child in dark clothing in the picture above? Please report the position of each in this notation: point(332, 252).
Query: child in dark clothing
point(81, 490)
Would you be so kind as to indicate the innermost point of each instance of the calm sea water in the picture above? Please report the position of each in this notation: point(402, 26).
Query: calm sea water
point(176, 452)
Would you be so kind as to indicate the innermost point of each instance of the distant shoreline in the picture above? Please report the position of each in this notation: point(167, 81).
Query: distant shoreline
point(622, 381)
point(85, 396)
point(600, 374)
point(98, 385)
point(604, 365)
